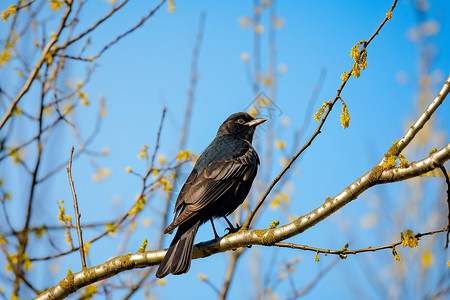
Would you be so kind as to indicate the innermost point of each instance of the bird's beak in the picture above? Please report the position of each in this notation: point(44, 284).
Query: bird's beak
point(256, 122)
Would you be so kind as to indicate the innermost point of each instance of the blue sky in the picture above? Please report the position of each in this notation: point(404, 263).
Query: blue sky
point(150, 69)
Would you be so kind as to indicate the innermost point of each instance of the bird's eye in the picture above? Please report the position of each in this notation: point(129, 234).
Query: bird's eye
point(240, 121)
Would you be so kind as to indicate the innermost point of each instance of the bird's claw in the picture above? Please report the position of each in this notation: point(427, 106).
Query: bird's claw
point(233, 229)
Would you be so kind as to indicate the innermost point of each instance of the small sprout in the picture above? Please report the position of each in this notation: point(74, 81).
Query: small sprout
point(27, 264)
point(184, 155)
point(39, 231)
point(279, 144)
point(89, 292)
point(359, 57)
point(253, 111)
point(245, 56)
point(244, 22)
point(62, 216)
point(12, 9)
point(274, 224)
point(345, 116)
point(143, 246)
point(409, 239)
point(396, 256)
point(165, 182)
point(341, 254)
point(434, 150)
point(155, 172)
point(390, 163)
point(143, 152)
point(321, 110)
point(267, 81)
point(259, 29)
point(86, 248)
point(161, 159)
point(274, 203)
point(162, 282)
point(345, 76)
point(110, 228)
point(316, 258)
point(48, 58)
point(389, 15)
point(17, 110)
point(56, 4)
point(128, 169)
point(138, 206)
point(202, 277)
point(403, 162)
point(171, 7)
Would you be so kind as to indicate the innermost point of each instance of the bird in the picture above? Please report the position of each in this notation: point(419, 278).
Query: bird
point(218, 184)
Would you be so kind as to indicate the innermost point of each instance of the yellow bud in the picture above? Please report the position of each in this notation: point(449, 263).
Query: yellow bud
point(245, 56)
point(202, 277)
point(316, 259)
point(279, 144)
point(259, 29)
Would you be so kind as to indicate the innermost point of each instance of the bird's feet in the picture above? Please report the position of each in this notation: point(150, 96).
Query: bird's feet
point(232, 229)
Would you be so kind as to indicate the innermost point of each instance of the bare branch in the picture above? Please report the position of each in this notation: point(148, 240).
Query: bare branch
point(77, 213)
point(344, 252)
point(37, 66)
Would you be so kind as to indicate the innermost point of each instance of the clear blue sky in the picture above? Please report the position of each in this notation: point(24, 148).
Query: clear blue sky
point(150, 69)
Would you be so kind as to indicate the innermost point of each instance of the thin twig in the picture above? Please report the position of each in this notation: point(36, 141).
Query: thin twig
point(194, 79)
point(26, 86)
point(344, 252)
point(329, 108)
point(77, 213)
point(447, 180)
point(315, 280)
point(234, 257)
point(119, 37)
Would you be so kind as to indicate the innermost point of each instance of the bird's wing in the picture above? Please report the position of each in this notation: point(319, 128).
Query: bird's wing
point(205, 187)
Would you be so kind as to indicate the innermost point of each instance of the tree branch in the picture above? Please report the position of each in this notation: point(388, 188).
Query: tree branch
point(77, 213)
point(37, 66)
point(242, 238)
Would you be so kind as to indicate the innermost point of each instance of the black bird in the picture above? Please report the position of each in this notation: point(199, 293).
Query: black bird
point(218, 184)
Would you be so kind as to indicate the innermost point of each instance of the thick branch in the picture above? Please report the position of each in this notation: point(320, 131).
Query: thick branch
point(246, 237)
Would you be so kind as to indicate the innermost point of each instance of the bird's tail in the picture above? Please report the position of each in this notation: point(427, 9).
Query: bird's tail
point(178, 257)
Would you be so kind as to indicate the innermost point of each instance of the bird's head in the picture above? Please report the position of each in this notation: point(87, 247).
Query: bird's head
point(241, 125)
